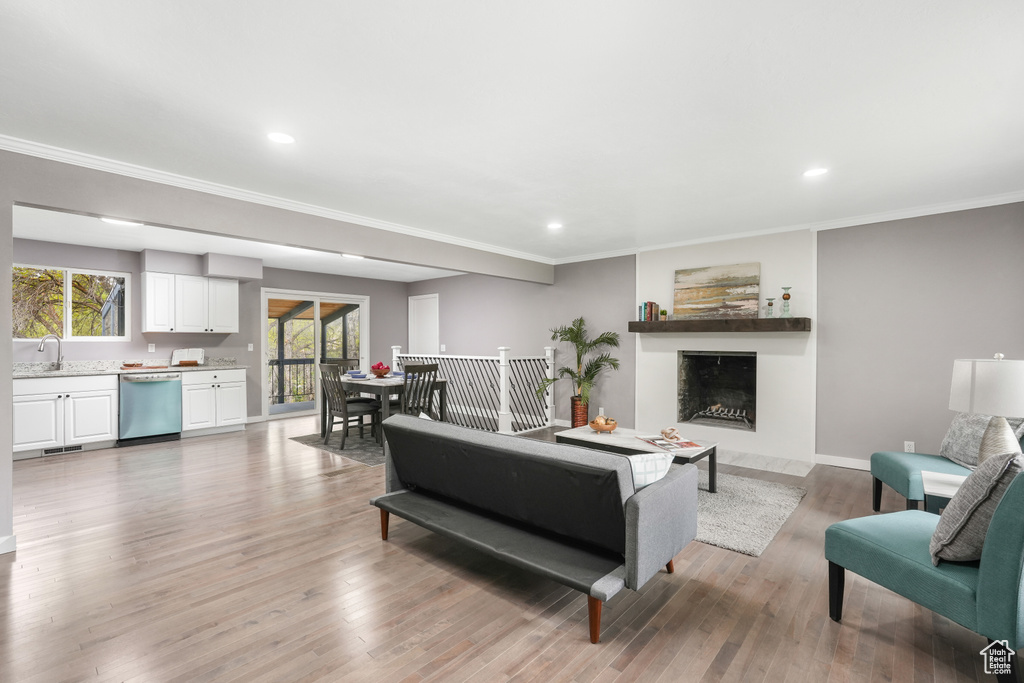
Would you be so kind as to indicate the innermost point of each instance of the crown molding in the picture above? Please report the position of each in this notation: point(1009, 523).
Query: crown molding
point(853, 221)
point(594, 257)
point(917, 212)
point(82, 159)
point(67, 156)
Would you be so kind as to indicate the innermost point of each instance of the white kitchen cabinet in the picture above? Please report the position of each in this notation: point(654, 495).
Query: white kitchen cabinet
point(231, 403)
point(212, 398)
point(158, 302)
point(38, 422)
point(54, 412)
point(90, 416)
point(223, 305)
point(198, 406)
point(189, 303)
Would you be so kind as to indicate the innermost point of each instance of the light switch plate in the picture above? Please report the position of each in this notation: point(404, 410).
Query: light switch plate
point(250, 347)
point(152, 348)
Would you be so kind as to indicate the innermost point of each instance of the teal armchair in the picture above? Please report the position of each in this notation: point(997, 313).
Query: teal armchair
point(891, 550)
point(902, 472)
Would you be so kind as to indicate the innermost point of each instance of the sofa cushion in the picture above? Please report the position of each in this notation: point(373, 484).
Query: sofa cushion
point(575, 492)
point(963, 439)
point(960, 534)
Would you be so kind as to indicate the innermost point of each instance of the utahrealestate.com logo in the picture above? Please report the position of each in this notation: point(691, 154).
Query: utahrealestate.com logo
point(997, 658)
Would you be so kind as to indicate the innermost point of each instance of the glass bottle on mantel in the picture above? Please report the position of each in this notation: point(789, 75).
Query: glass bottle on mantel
point(785, 303)
point(769, 310)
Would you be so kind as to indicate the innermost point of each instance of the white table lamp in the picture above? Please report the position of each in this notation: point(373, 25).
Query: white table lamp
point(991, 387)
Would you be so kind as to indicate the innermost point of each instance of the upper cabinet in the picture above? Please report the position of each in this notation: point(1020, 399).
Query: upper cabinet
point(157, 302)
point(189, 303)
point(223, 305)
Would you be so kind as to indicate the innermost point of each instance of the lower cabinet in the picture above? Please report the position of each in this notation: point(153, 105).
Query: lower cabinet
point(212, 398)
point(54, 412)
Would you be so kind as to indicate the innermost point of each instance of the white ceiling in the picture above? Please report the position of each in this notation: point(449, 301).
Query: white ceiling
point(635, 124)
point(68, 228)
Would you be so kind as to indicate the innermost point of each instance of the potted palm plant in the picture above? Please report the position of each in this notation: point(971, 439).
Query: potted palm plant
point(585, 371)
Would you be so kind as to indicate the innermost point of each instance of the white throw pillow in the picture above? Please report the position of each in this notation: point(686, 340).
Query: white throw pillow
point(648, 468)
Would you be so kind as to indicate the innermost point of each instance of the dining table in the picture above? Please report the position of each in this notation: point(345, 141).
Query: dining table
point(384, 388)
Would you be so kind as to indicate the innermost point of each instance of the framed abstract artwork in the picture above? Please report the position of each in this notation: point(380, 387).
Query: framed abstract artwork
point(717, 292)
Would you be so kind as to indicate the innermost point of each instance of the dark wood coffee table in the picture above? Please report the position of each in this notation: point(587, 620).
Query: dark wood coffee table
point(624, 442)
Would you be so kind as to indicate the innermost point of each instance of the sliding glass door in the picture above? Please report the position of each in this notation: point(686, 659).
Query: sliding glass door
point(291, 355)
point(304, 329)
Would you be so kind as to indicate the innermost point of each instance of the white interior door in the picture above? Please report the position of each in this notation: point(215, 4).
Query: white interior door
point(424, 328)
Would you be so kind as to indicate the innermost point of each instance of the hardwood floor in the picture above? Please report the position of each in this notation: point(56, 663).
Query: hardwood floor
point(250, 557)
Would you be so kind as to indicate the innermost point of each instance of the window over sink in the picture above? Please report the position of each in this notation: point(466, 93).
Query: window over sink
point(71, 303)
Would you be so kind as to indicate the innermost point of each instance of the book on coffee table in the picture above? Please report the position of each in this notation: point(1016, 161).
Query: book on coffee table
point(661, 442)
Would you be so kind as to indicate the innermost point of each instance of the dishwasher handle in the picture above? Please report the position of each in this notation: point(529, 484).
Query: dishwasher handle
point(161, 377)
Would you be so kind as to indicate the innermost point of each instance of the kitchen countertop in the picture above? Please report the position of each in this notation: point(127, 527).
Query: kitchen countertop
point(83, 368)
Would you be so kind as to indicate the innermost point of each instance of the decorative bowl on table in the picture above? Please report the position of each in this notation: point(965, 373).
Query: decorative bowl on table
point(603, 427)
point(380, 372)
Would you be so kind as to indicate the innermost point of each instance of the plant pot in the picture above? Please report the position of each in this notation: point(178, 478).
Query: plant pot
point(579, 411)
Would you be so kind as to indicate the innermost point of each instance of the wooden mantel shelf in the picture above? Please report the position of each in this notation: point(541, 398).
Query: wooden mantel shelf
point(724, 325)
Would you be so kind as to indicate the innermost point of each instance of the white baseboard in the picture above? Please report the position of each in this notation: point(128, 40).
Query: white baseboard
point(255, 418)
point(839, 461)
point(561, 423)
point(8, 544)
point(188, 434)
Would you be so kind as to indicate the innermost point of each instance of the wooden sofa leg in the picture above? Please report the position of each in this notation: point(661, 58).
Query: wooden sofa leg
point(385, 516)
point(836, 587)
point(671, 566)
point(912, 504)
point(876, 494)
point(594, 612)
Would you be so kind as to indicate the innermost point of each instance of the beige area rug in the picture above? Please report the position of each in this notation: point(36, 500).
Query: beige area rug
point(745, 514)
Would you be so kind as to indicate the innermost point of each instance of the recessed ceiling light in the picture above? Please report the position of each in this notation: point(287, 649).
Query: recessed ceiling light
point(282, 138)
point(815, 172)
point(554, 226)
point(118, 221)
point(355, 256)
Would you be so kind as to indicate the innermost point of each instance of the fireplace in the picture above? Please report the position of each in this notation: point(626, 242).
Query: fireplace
point(718, 388)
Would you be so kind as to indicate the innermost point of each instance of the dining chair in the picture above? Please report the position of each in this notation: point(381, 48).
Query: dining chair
point(418, 389)
point(347, 364)
point(339, 407)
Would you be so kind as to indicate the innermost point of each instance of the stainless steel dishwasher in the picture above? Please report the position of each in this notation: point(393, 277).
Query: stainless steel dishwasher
point(150, 408)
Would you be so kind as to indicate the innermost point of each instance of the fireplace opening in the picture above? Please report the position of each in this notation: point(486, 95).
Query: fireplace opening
point(718, 388)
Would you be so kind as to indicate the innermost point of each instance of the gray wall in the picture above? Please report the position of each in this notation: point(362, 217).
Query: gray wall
point(388, 319)
point(8, 192)
point(479, 313)
point(897, 303)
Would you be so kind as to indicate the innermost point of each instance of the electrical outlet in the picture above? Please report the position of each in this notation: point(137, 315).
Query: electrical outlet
point(152, 348)
point(908, 447)
point(600, 410)
point(442, 348)
point(250, 347)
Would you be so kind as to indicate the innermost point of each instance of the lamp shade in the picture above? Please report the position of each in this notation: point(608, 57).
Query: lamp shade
point(990, 387)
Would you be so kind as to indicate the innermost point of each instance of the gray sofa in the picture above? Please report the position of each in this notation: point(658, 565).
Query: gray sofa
point(569, 514)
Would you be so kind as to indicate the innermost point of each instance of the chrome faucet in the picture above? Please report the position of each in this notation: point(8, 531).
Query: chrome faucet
point(60, 349)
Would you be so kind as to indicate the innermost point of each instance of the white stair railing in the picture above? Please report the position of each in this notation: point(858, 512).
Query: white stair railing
point(492, 393)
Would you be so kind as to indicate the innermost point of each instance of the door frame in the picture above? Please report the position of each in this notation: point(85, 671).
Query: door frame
point(267, 293)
